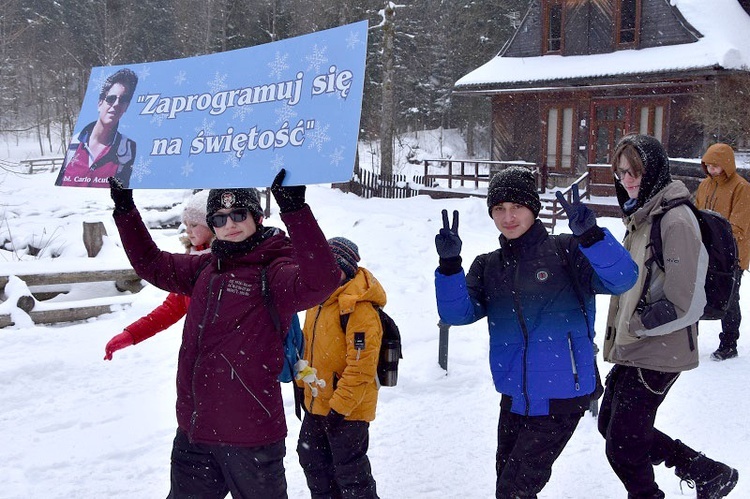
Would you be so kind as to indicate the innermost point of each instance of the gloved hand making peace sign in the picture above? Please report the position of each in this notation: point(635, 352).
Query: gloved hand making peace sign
point(581, 219)
point(448, 245)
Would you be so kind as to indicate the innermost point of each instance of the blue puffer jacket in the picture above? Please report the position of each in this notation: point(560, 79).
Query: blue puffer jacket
point(541, 348)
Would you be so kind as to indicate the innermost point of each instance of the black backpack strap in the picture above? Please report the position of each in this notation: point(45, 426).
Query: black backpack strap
point(265, 289)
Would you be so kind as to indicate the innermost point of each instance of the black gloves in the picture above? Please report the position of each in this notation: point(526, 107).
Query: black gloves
point(448, 246)
point(581, 220)
point(122, 197)
point(333, 419)
point(290, 198)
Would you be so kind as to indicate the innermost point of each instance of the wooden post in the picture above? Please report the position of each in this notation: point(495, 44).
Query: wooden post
point(93, 237)
point(443, 345)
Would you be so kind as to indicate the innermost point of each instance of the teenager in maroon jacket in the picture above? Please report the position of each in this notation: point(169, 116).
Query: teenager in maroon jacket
point(197, 240)
point(230, 413)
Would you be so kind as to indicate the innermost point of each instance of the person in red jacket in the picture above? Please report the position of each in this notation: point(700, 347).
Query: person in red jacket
point(197, 240)
point(231, 428)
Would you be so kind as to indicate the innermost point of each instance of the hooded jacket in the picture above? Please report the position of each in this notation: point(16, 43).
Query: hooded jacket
point(541, 346)
point(664, 336)
point(349, 372)
point(231, 353)
point(727, 194)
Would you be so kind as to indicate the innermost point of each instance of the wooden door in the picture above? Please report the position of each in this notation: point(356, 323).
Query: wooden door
point(610, 120)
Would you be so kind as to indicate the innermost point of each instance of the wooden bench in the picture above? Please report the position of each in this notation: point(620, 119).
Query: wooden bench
point(41, 164)
point(44, 286)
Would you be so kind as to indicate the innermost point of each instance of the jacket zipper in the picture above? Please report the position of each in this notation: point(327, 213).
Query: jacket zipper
point(312, 350)
point(524, 330)
point(201, 328)
point(573, 363)
point(234, 374)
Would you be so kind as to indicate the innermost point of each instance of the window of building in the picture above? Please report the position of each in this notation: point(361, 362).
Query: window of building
point(651, 121)
point(553, 27)
point(559, 152)
point(627, 25)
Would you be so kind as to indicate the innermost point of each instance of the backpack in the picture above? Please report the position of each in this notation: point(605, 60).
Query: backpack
point(723, 260)
point(294, 343)
point(390, 348)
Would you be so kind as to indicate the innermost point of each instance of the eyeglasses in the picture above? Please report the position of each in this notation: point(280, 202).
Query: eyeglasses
point(220, 219)
point(620, 174)
point(111, 99)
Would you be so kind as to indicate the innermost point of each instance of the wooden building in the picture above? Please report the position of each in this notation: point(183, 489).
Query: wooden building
point(578, 74)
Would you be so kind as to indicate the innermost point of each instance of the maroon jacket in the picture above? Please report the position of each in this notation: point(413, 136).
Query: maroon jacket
point(227, 374)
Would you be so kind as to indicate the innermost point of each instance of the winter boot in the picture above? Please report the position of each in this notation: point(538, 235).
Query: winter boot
point(712, 479)
point(727, 348)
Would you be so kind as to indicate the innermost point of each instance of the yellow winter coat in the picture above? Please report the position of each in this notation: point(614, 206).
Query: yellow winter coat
point(347, 364)
point(729, 195)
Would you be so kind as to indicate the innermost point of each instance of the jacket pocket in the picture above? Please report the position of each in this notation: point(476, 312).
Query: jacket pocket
point(234, 375)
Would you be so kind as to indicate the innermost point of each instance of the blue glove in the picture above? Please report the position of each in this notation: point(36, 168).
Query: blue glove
point(580, 217)
point(447, 242)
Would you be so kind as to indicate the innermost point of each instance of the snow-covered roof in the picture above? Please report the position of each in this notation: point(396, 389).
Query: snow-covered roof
point(725, 42)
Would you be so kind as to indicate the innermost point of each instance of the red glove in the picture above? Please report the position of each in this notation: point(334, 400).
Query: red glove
point(120, 341)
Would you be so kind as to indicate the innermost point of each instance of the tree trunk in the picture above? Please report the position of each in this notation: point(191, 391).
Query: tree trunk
point(386, 119)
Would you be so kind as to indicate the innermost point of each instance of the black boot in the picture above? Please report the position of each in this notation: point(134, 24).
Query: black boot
point(727, 348)
point(712, 479)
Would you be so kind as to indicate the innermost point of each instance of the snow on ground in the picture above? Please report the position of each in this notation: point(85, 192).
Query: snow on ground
point(75, 426)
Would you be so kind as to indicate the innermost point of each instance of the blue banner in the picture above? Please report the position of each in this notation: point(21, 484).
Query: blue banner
point(231, 119)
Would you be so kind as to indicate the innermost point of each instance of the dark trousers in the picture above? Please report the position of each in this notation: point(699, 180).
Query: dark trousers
point(626, 420)
point(527, 447)
point(730, 324)
point(201, 471)
point(335, 459)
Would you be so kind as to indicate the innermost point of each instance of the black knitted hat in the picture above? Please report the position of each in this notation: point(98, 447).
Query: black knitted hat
point(234, 198)
point(515, 184)
point(346, 254)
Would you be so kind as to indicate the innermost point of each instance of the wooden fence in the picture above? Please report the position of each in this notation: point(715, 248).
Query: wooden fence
point(367, 184)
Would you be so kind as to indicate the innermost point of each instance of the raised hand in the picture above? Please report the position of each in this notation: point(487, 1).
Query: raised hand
point(580, 217)
point(447, 242)
point(289, 198)
point(122, 197)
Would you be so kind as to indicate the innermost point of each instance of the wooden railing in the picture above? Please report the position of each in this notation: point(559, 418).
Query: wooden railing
point(472, 171)
point(41, 164)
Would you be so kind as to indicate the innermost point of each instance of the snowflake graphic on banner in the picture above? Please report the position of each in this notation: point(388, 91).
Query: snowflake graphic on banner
point(158, 119)
point(187, 169)
point(207, 127)
point(317, 58)
point(180, 78)
point(278, 65)
point(142, 169)
point(337, 156)
point(218, 83)
point(232, 160)
point(352, 40)
point(277, 163)
point(241, 112)
point(285, 113)
point(318, 136)
point(144, 73)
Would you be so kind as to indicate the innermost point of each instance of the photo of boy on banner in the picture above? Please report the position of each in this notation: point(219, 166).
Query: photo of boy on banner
point(100, 151)
point(207, 122)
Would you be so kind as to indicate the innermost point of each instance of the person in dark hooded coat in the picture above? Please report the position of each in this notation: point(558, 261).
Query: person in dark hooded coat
point(651, 346)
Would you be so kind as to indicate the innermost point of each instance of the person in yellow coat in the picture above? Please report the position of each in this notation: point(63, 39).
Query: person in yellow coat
point(725, 191)
point(340, 381)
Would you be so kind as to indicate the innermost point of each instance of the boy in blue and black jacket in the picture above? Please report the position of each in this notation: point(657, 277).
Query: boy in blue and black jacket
point(538, 294)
